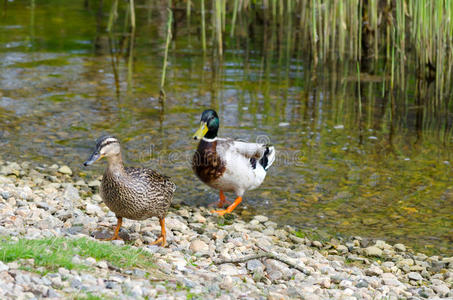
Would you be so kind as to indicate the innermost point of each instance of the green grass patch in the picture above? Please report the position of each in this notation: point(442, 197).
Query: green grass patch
point(53, 253)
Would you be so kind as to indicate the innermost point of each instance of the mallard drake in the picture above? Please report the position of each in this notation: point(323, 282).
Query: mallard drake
point(228, 165)
point(132, 193)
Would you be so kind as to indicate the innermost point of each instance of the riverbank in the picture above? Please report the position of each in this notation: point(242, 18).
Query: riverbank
point(48, 218)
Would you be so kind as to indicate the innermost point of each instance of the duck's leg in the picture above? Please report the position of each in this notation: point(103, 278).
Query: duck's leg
point(230, 208)
point(222, 200)
point(162, 239)
point(117, 230)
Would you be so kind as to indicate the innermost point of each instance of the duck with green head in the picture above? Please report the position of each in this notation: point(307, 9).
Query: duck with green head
point(228, 165)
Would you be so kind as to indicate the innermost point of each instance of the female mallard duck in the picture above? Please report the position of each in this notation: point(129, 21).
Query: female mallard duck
point(132, 193)
point(228, 165)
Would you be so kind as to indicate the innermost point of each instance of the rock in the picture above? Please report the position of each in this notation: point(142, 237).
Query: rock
point(342, 249)
point(362, 284)
point(442, 290)
point(400, 247)
point(90, 261)
point(405, 262)
point(198, 246)
point(316, 244)
point(94, 184)
point(231, 270)
point(102, 264)
point(388, 264)
point(5, 195)
point(63, 271)
point(345, 284)
point(426, 292)
point(277, 267)
point(71, 193)
point(382, 245)
point(10, 169)
point(199, 218)
point(97, 198)
point(373, 251)
point(65, 170)
point(53, 294)
point(227, 283)
point(276, 296)
point(75, 283)
point(325, 283)
point(261, 219)
point(25, 193)
point(175, 224)
point(3, 267)
point(43, 205)
point(93, 209)
point(374, 271)
point(390, 279)
point(254, 265)
point(414, 276)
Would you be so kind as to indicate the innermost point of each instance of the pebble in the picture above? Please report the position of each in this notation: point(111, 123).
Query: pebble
point(254, 265)
point(198, 246)
point(374, 271)
point(94, 184)
point(261, 219)
point(45, 205)
point(3, 267)
point(227, 283)
point(65, 170)
point(442, 290)
point(400, 247)
point(316, 244)
point(373, 251)
point(414, 276)
point(93, 209)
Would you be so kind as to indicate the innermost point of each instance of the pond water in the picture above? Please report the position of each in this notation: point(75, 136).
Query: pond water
point(355, 158)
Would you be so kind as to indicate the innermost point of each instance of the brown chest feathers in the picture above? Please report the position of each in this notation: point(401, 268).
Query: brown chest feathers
point(206, 162)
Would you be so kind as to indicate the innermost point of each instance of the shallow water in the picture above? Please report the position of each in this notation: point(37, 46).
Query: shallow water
point(354, 158)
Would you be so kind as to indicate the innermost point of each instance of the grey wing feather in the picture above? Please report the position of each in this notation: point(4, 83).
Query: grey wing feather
point(249, 150)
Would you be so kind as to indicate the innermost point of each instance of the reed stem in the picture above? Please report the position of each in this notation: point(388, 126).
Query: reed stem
point(163, 95)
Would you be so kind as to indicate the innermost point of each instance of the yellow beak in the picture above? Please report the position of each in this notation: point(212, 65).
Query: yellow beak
point(201, 132)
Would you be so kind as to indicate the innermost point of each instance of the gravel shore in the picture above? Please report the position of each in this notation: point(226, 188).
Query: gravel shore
point(207, 257)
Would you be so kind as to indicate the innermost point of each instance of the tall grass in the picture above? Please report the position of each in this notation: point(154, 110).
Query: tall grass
point(164, 67)
point(408, 35)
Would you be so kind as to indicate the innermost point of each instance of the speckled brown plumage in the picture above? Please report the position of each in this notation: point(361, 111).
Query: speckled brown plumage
point(206, 162)
point(137, 193)
point(132, 193)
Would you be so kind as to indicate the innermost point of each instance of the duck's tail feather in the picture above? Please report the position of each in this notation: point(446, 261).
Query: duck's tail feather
point(268, 157)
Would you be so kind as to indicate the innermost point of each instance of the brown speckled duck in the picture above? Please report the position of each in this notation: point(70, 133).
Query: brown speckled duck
point(132, 193)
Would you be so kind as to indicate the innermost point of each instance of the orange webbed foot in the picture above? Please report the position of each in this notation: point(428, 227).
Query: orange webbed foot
point(162, 240)
point(117, 231)
point(230, 208)
point(113, 238)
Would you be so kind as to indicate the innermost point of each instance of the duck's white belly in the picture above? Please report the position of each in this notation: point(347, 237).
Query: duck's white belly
point(239, 175)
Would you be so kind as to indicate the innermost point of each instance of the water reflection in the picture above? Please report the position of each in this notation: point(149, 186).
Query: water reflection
point(356, 156)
